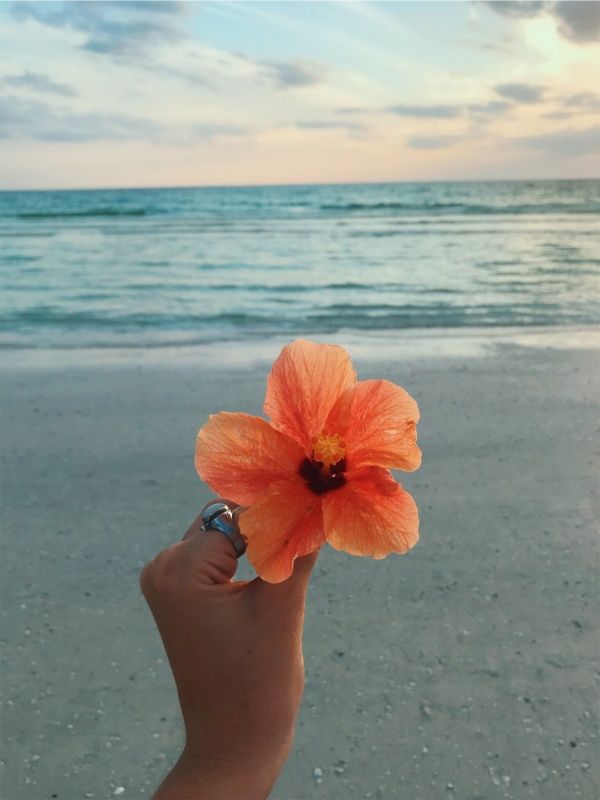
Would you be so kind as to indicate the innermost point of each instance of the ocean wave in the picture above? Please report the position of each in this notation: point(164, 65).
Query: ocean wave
point(16, 258)
point(465, 208)
point(294, 288)
point(328, 318)
point(91, 212)
point(146, 265)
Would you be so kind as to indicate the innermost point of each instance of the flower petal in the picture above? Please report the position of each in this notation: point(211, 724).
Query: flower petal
point(284, 524)
point(371, 515)
point(382, 428)
point(304, 384)
point(239, 456)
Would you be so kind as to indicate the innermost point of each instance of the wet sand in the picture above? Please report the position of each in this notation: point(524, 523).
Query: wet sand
point(466, 669)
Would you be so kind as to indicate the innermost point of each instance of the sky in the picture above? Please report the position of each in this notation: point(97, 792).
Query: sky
point(110, 94)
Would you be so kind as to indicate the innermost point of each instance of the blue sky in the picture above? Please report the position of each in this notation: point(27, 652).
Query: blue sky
point(210, 93)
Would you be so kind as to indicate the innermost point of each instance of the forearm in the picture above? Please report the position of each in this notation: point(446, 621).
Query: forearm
point(236, 654)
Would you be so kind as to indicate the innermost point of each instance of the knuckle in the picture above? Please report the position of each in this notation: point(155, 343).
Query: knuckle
point(145, 578)
point(161, 576)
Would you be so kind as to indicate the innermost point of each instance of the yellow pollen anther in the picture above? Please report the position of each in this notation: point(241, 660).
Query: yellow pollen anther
point(328, 448)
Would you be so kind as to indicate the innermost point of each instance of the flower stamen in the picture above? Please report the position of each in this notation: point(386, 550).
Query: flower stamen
point(328, 448)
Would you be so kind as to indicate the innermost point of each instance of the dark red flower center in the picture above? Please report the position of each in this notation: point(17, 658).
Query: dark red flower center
point(321, 479)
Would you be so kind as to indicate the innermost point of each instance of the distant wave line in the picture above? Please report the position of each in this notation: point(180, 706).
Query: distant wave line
point(333, 316)
point(217, 214)
point(291, 288)
point(92, 212)
point(466, 209)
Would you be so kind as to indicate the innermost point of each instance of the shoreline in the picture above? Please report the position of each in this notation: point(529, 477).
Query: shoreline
point(409, 344)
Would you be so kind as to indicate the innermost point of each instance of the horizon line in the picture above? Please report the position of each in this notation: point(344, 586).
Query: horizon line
point(291, 185)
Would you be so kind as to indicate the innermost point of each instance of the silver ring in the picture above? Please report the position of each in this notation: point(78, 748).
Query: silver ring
point(218, 516)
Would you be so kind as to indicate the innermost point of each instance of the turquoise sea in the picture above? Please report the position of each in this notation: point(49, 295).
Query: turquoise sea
point(161, 267)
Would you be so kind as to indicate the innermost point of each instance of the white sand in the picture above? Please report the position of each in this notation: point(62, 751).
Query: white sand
point(466, 669)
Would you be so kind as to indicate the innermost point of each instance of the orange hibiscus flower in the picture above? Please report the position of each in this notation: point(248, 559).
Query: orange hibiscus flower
point(319, 471)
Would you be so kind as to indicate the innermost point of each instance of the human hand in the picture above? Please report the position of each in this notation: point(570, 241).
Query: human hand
point(235, 650)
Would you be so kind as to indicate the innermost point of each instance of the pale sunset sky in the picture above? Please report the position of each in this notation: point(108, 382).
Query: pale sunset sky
point(110, 94)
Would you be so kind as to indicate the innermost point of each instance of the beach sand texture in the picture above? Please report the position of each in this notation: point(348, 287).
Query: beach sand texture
point(466, 669)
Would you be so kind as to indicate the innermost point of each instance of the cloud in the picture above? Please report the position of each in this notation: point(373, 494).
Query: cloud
point(210, 130)
point(353, 110)
point(293, 74)
point(189, 76)
point(494, 47)
point(331, 125)
point(21, 119)
point(576, 105)
point(425, 111)
point(130, 32)
point(114, 27)
point(35, 120)
point(154, 6)
point(579, 21)
point(521, 92)
point(432, 142)
point(446, 111)
point(39, 83)
point(493, 107)
point(576, 20)
point(558, 143)
point(518, 8)
point(587, 102)
point(565, 142)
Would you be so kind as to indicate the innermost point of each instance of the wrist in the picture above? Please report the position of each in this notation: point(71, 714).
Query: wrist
point(204, 776)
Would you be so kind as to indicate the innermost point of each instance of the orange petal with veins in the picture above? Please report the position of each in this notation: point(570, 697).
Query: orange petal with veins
point(304, 385)
point(239, 456)
point(284, 524)
point(371, 515)
point(382, 430)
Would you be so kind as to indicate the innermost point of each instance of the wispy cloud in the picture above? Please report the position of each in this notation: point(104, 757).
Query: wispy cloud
point(521, 92)
point(36, 120)
point(489, 108)
point(579, 21)
point(133, 31)
point(22, 119)
point(192, 77)
point(432, 142)
point(519, 8)
point(293, 74)
point(116, 27)
point(565, 142)
point(494, 47)
point(330, 125)
point(210, 130)
point(576, 20)
point(434, 111)
point(588, 102)
point(38, 82)
point(353, 110)
point(557, 143)
point(582, 103)
point(443, 110)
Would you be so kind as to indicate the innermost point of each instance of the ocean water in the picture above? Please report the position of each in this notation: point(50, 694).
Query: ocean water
point(161, 267)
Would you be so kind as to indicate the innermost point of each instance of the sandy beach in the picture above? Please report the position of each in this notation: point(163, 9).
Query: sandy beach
point(466, 669)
